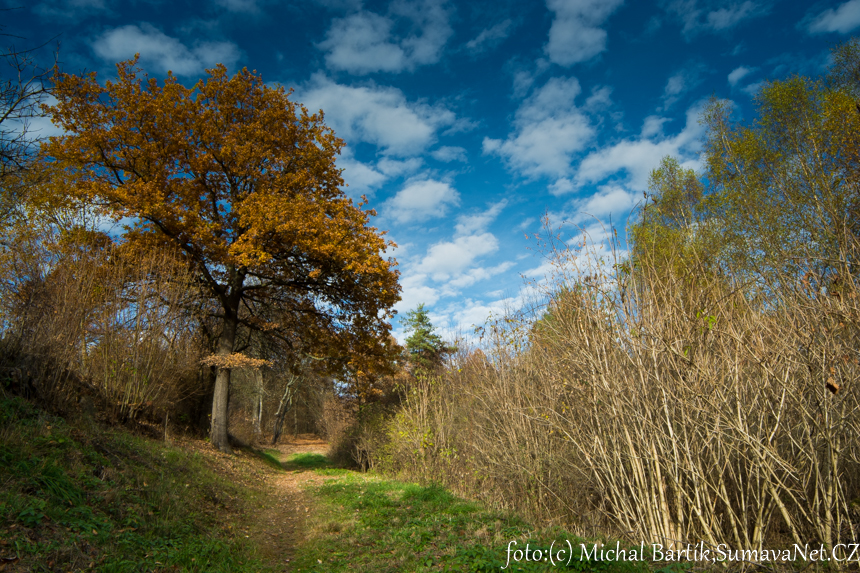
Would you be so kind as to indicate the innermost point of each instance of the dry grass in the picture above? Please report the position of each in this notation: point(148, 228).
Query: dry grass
point(91, 327)
point(655, 407)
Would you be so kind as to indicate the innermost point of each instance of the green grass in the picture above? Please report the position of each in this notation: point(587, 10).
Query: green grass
point(306, 462)
point(82, 497)
point(367, 523)
point(269, 457)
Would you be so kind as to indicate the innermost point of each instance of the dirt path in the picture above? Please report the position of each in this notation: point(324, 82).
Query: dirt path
point(278, 525)
point(280, 528)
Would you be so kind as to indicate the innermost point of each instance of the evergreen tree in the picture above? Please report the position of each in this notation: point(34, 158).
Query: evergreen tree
point(425, 349)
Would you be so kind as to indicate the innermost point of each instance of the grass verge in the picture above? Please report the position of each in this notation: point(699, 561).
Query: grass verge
point(78, 497)
point(367, 523)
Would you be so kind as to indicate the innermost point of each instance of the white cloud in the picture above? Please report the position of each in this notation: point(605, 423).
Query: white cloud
point(397, 167)
point(490, 38)
point(33, 128)
point(842, 19)
point(725, 18)
point(365, 178)
point(374, 114)
point(549, 130)
point(421, 200)
point(738, 74)
point(637, 157)
point(599, 98)
point(446, 153)
point(714, 15)
point(451, 258)
point(365, 42)
point(360, 177)
point(471, 224)
point(160, 52)
point(652, 126)
point(682, 82)
point(753, 89)
point(561, 186)
point(415, 291)
point(609, 200)
point(474, 313)
point(575, 35)
point(476, 274)
point(675, 85)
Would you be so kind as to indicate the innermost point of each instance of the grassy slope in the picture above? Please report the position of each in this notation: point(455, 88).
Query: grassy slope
point(80, 497)
point(83, 498)
point(367, 523)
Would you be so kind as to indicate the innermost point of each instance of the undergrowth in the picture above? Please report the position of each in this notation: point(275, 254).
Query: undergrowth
point(78, 497)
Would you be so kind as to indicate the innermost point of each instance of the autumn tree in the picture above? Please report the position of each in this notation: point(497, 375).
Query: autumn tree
point(243, 183)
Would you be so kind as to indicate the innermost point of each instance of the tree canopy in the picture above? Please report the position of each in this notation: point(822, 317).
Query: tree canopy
point(778, 197)
point(242, 182)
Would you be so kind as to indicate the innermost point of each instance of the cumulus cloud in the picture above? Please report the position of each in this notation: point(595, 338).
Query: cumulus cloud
point(724, 18)
point(489, 38)
point(366, 42)
point(471, 224)
point(360, 177)
point(842, 19)
point(610, 200)
point(575, 35)
point(477, 274)
point(713, 15)
point(476, 313)
point(637, 157)
point(738, 74)
point(549, 130)
point(449, 258)
point(378, 115)
point(753, 89)
point(447, 154)
point(415, 291)
point(365, 178)
point(682, 82)
point(420, 200)
point(652, 126)
point(397, 167)
point(160, 52)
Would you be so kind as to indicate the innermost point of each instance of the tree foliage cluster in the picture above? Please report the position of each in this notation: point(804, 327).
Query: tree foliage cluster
point(778, 196)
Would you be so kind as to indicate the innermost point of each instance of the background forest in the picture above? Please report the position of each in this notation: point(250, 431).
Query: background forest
point(702, 388)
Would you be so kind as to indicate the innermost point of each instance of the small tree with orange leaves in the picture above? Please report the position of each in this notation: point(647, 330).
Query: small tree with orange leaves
point(243, 183)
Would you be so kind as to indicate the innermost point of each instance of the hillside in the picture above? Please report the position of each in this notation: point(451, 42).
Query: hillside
point(79, 496)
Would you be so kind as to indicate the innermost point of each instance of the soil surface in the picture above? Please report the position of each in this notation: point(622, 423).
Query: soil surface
point(279, 527)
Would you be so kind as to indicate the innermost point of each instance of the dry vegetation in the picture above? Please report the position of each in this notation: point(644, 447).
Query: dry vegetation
point(654, 407)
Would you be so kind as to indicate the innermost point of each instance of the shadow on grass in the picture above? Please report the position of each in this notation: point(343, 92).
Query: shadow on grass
point(268, 458)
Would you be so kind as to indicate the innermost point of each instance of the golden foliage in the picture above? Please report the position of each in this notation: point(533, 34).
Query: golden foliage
point(243, 182)
point(235, 360)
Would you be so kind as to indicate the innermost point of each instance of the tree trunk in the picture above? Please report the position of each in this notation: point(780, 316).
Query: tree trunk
point(283, 408)
point(258, 407)
point(218, 431)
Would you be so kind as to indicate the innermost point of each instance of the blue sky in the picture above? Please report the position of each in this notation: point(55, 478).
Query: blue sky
point(466, 122)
